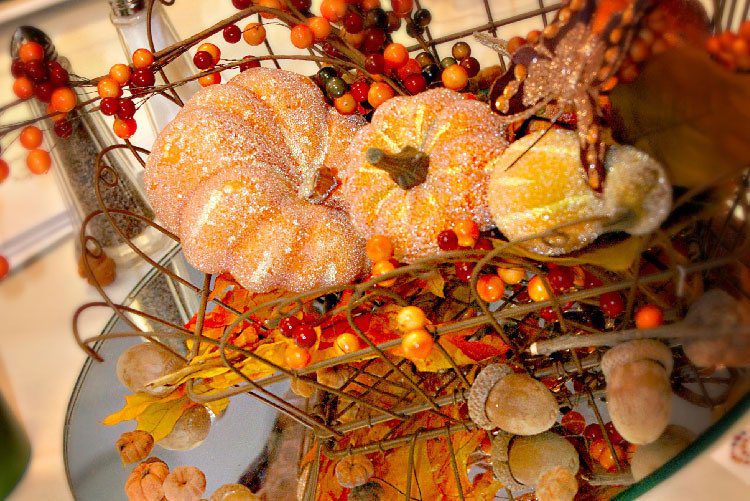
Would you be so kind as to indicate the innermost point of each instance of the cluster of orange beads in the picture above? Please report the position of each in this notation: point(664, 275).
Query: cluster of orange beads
point(732, 50)
point(380, 251)
point(38, 159)
point(417, 343)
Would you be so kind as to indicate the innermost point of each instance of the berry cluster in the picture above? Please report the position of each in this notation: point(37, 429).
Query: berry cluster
point(596, 445)
point(732, 50)
point(416, 343)
point(380, 251)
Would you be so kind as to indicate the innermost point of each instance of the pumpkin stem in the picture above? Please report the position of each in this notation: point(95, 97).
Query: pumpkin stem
point(408, 168)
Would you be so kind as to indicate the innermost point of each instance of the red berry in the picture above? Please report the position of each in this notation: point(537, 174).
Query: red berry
point(241, 4)
point(302, 5)
point(612, 304)
point(614, 435)
point(63, 128)
point(590, 281)
point(232, 33)
point(415, 83)
point(4, 267)
point(560, 278)
point(36, 71)
point(203, 60)
point(4, 170)
point(17, 68)
point(471, 65)
point(304, 335)
point(125, 108)
point(124, 128)
point(109, 106)
point(287, 325)
point(410, 68)
point(593, 432)
point(373, 40)
point(143, 77)
point(447, 240)
point(483, 244)
point(59, 76)
point(573, 422)
point(330, 50)
point(249, 63)
point(549, 314)
point(359, 90)
point(463, 270)
point(353, 22)
point(43, 91)
point(375, 64)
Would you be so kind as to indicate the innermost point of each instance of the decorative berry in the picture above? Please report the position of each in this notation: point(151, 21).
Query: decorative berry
point(573, 422)
point(537, 289)
point(109, 106)
point(490, 288)
point(461, 50)
point(375, 64)
point(424, 59)
point(353, 22)
point(376, 18)
point(37, 71)
point(549, 314)
point(269, 4)
point(333, 10)
point(241, 4)
point(120, 73)
point(417, 344)
point(422, 18)
point(395, 55)
point(447, 61)
point(296, 357)
point(593, 432)
point(336, 87)
point(511, 276)
point(302, 36)
point(455, 77)
point(471, 65)
point(447, 240)
point(514, 43)
point(143, 58)
point(203, 60)
point(373, 40)
point(63, 99)
point(4, 267)
point(17, 68)
point(463, 269)
point(210, 79)
point(38, 161)
point(63, 128)
point(467, 232)
point(232, 33)
point(304, 335)
point(379, 248)
point(108, 87)
point(359, 90)
point(346, 104)
point(4, 171)
point(31, 137)
point(60, 77)
point(249, 62)
point(411, 318)
point(560, 278)
point(402, 8)
point(648, 317)
point(347, 342)
point(381, 268)
point(31, 51)
point(125, 108)
point(143, 77)
point(320, 27)
point(612, 304)
point(613, 434)
point(211, 49)
point(254, 34)
point(410, 68)
point(124, 128)
point(287, 325)
point(431, 72)
point(379, 93)
point(483, 244)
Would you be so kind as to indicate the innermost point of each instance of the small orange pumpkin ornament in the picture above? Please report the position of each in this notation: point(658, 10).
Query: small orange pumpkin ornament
point(145, 482)
point(134, 446)
point(185, 483)
point(419, 166)
point(245, 176)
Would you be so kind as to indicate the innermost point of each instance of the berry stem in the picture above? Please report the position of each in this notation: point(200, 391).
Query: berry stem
point(408, 168)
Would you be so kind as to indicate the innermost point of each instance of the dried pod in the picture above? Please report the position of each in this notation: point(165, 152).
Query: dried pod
point(189, 431)
point(302, 388)
point(233, 492)
point(333, 377)
point(639, 395)
point(145, 481)
point(557, 484)
point(140, 364)
point(515, 403)
point(648, 458)
point(530, 457)
point(103, 268)
point(354, 470)
point(371, 491)
point(184, 483)
point(134, 446)
point(719, 311)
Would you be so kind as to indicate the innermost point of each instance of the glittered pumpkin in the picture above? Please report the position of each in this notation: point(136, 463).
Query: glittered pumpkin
point(419, 166)
point(145, 481)
point(244, 175)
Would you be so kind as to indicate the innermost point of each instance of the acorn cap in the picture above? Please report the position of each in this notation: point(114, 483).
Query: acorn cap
point(499, 460)
point(530, 457)
point(648, 458)
point(639, 349)
point(479, 391)
point(557, 484)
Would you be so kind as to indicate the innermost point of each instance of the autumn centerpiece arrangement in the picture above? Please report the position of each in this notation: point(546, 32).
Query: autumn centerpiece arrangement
point(477, 279)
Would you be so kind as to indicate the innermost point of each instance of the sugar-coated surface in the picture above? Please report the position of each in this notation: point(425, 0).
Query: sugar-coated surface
point(460, 136)
point(231, 174)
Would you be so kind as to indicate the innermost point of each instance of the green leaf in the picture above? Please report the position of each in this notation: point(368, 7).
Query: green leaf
point(689, 113)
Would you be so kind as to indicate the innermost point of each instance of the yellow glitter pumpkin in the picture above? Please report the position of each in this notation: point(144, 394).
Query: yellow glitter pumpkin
point(420, 165)
point(538, 187)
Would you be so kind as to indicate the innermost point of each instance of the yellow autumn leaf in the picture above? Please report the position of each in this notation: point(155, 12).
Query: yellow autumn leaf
point(159, 419)
point(135, 405)
point(273, 352)
point(218, 406)
point(435, 283)
point(616, 257)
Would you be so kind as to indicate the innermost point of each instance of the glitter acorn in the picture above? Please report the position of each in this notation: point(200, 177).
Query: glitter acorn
point(536, 187)
point(419, 166)
point(639, 395)
point(649, 458)
point(239, 175)
point(515, 403)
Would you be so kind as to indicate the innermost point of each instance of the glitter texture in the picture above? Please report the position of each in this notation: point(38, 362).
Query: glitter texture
point(230, 175)
point(460, 136)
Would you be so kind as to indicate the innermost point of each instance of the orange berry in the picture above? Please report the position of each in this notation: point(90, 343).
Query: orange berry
point(411, 318)
point(370, 4)
point(38, 161)
point(120, 73)
point(333, 10)
point(108, 87)
point(4, 267)
point(381, 268)
point(210, 79)
point(254, 34)
point(455, 77)
point(490, 288)
point(296, 357)
point(320, 27)
point(211, 49)
point(516, 42)
point(648, 317)
point(23, 88)
point(532, 36)
point(467, 232)
point(269, 4)
point(31, 137)
point(143, 58)
point(346, 104)
point(511, 276)
point(744, 30)
point(379, 248)
point(347, 342)
point(31, 51)
point(55, 116)
point(537, 289)
point(379, 93)
point(302, 36)
point(4, 170)
point(607, 460)
point(63, 99)
point(396, 55)
point(124, 128)
point(417, 344)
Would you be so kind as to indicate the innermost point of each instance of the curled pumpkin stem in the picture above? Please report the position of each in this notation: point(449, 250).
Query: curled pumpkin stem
point(408, 168)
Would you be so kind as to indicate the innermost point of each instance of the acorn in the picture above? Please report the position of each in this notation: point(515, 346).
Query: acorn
point(515, 403)
point(649, 458)
point(557, 484)
point(371, 491)
point(353, 471)
point(522, 461)
point(639, 395)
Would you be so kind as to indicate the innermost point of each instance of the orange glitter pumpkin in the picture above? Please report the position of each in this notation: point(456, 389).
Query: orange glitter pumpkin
point(419, 166)
point(244, 176)
point(145, 482)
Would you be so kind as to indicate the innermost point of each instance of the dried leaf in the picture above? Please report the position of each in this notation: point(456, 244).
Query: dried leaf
point(616, 257)
point(689, 113)
point(434, 283)
point(136, 404)
point(159, 419)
